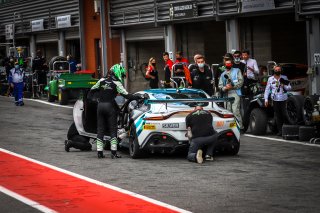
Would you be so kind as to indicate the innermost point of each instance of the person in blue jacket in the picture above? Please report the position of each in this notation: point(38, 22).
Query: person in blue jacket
point(16, 80)
point(72, 64)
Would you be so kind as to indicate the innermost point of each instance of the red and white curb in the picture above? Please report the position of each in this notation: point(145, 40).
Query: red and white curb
point(52, 189)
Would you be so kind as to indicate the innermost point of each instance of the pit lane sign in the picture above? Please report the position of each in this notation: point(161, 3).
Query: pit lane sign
point(63, 21)
point(9, 31)
point(257, 5)
point(183, 10)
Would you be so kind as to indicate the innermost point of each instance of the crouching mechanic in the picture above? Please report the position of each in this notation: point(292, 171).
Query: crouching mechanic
point(16, 80)
point(203, 135)
point(107, 89)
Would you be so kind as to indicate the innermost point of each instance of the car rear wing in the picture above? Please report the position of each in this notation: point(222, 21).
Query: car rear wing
point(199, 100)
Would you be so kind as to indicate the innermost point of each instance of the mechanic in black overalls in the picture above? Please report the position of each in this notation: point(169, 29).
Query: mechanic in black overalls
point(201, 75)
point(203, 135)
point(107, 89)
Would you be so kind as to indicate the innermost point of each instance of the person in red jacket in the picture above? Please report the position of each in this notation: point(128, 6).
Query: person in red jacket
point(167, 69)
point(181, 59)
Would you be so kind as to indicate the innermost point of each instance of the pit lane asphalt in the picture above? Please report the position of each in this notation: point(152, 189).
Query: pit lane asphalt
point(266, 176)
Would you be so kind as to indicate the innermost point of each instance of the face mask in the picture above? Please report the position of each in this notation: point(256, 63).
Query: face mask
point(179, 58)
point(228, 66)
point(201, 65)
point(237, 60)
point(277, 73)
point(154, 64)
point(265, 73)
point(16, 66)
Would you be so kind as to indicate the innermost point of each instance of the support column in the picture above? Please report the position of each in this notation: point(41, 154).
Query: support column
point(232, 35)
point(82, 36)
point(104, 63)
point(313, 40)
point(61, 44)
point(123, 56)
point(170, 41)
point(33, 46)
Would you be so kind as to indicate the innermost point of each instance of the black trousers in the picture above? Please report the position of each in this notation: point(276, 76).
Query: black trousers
point(199, 143)
point(107, 120)
point(280, 112)
point(80, 142)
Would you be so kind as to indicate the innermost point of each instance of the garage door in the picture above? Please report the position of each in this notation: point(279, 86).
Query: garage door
point(145, 34)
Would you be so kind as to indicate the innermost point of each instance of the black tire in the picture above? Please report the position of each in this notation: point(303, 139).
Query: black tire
point(51, 98)
point(308, 108)
point(295, 109)
point(306, 133)
point(234, 148)
point(63, 97)
point(143, 69)
point(134, 147)
point(258, 121)
point(72, 131)
point(290, 132)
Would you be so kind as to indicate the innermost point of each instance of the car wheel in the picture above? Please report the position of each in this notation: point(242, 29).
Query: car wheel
point(234, 148)
point(51, 98)
point(308, 108)
point(72, 131)
point(63, 97)
point(258, 121)
point(134, 147)
point(295, 109)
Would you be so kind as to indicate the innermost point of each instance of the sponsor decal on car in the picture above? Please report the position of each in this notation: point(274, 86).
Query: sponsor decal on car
point(172, 125)
point(149, 127)
point(220, 123)
point(233, 124)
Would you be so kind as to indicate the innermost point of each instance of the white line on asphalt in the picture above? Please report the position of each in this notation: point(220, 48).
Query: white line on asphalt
point(282, 140)
point(52, 104)
point(98, 182)
point(44, 102)
point(26, 200)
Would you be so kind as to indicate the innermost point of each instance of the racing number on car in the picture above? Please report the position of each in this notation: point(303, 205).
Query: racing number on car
point(149, 127)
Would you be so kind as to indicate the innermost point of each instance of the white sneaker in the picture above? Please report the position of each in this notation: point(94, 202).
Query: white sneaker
point(199, 158)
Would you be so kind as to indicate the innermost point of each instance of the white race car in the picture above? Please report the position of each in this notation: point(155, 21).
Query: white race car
point(157, 124)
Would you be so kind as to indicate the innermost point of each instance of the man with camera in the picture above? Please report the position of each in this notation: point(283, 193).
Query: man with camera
point(276, 91)
point(230, 83)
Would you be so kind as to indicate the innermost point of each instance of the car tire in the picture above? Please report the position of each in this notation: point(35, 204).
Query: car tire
point(134, 147)
point(308, 108)
point(306, 133)
point(63, 97)
point(295, 109)
point(234, 149)
point(51, 98)
point(290, 132)
point(72, 131)
point(258, 121)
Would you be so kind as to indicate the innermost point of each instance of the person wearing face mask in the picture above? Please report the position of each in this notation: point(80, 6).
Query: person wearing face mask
point(201, 75)
point(152, 74)
point(230, 83)
point(16, 81)
point(276, 89)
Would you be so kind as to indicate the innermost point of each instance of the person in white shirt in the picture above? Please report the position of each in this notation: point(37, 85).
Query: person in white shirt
point(251, 65)
point(276, 90)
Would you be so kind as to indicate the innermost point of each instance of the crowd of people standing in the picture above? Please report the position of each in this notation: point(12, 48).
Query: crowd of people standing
point(232, 78)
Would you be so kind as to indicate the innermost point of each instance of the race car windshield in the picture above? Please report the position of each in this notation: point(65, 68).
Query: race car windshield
point(161, 96)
